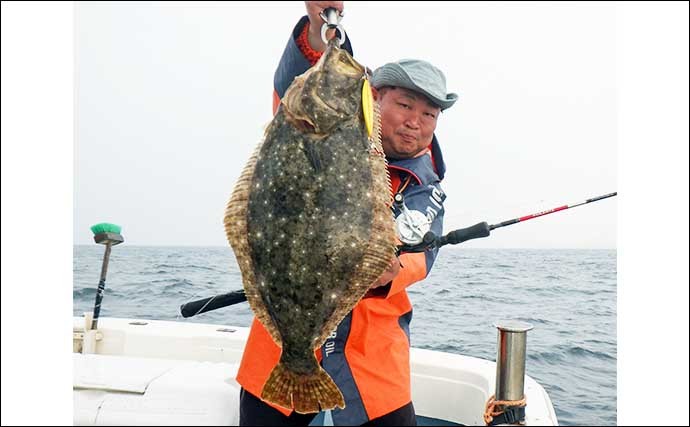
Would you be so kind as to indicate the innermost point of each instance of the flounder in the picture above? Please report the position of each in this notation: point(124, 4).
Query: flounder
point(310, 222)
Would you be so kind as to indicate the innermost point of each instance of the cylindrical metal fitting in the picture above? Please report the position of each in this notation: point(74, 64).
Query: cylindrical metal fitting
point(510, 360)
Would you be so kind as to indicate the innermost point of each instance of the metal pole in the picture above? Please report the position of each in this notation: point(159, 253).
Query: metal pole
point(510, 360)
point(109, 239)
point(101, 286)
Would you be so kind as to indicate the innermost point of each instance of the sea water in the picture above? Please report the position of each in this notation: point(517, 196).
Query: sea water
point(568, 295)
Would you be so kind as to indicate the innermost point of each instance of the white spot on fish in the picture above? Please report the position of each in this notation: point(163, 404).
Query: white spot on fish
point(334, 296)
point(258, 234)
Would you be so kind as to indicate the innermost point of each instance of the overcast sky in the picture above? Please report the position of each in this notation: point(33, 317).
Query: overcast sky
point(172, 97)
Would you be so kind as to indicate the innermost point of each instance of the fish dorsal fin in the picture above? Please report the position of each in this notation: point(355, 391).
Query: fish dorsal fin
point(235, 221)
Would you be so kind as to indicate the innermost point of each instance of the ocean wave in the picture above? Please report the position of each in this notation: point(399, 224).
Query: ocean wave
point(546, 356)
point(176, 284)
point(503, 266)
point(91, 292)
point(584, 352)
point(185, 267)
point(534, 320)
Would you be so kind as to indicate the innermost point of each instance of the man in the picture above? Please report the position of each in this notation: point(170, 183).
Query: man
point(368, 354)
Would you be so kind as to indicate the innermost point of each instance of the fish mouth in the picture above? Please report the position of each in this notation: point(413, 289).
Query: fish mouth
point(326, 94)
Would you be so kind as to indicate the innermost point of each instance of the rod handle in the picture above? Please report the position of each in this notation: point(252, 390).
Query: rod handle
point(193, 308)
point(464, 234)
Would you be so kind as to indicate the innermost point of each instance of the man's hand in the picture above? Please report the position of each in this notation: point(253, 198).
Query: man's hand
point(388, 275)
point(314, 8)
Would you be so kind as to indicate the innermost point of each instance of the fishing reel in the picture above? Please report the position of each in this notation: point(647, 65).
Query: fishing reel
point(413, 228)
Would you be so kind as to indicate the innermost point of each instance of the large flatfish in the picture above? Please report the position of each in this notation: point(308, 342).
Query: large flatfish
point(310, 223)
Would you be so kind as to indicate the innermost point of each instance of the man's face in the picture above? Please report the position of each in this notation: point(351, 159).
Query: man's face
point(408, 121)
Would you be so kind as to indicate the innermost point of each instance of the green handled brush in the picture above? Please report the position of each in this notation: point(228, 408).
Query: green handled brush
point(108, 235)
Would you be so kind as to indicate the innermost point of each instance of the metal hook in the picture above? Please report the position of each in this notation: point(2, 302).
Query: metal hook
point(332, 18)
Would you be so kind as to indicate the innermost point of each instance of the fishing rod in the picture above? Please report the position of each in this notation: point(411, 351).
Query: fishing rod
point(430, 241)
point(483, 229)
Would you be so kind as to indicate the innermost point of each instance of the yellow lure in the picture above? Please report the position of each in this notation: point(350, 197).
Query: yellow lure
point(368, 107)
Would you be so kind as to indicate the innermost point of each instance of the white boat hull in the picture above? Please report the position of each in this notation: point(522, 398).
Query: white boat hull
point(150, 372)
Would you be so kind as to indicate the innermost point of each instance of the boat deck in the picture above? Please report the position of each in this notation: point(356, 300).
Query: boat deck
point(151, 372)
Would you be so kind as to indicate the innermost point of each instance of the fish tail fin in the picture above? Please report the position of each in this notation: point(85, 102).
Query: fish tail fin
point(305, 393)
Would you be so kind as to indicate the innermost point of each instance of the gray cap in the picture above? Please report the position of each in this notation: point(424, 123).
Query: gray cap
point(417, 75)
